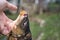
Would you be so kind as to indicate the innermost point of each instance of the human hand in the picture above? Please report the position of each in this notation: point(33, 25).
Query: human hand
point(8, 28)
point(5, 4)
point(13, 25)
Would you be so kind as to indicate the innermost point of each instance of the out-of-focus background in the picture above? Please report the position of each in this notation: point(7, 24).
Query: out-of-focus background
point(44, 17)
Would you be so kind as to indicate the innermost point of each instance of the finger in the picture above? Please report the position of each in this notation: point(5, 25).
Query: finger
point(11, 6)
point(15, 27)
point(2, 4)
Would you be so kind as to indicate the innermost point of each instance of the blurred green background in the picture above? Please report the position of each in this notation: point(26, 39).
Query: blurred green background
point(51, 29)
point(49, 12)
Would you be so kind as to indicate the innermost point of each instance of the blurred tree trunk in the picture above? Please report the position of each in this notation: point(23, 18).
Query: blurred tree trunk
point(30, 2)
point(39, 9)
point(18, 6)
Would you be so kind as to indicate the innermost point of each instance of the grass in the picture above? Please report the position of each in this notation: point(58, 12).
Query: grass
point(35, 29)
point(51, 29)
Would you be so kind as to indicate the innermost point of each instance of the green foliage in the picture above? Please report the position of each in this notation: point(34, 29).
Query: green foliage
point(13, 16)
point(53, 7)
point(57, 1)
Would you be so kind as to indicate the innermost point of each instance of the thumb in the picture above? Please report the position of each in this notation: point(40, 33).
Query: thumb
point(13, 25)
